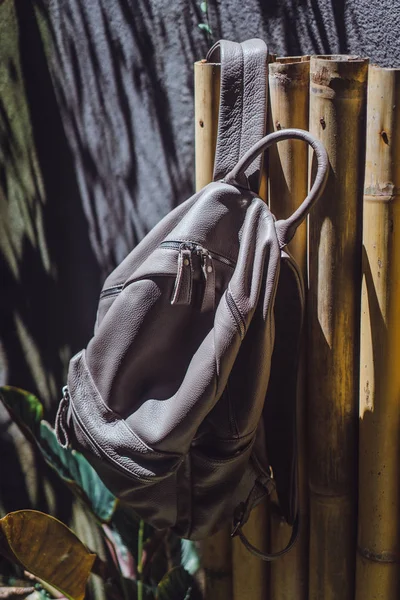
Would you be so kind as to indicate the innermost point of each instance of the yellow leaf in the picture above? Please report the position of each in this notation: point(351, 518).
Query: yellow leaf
point(49, 550)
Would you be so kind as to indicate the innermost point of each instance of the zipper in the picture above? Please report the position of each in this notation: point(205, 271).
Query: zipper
point(197, 249)
point(182, 293)
point(95, 446)
point(183, 285)
point(111, 291)
point(61, 419)
point(236, 313)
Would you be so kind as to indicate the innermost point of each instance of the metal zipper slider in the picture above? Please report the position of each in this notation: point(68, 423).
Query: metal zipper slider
point(207, 265)
point(182, 293)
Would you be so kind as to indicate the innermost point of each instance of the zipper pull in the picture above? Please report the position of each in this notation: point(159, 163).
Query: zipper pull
point(207, 265)
point(61, 420)
point(182, 293)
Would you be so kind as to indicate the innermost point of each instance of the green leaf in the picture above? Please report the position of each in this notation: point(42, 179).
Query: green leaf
point(205, 27)
point(24, 408)
point(39, 595)
point(48, 549)
point(177, 583)
point(120, 554)
point(189, 556)
point(128, 528)
point(204, 7)
point(73, 468)
point(78, 474)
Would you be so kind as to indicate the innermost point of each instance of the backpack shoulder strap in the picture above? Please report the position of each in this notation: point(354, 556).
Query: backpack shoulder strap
point(263, 486)
point(243, 106)
point(275, 555)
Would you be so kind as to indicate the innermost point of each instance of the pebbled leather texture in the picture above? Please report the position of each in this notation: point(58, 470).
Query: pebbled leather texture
point(168, 399)
point(184, 399)
point(243, 105)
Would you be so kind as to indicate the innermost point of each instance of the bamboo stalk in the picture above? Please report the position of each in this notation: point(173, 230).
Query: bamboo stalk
point(207, 86)
point(264, 182)
point(217, 550)
point(218, 557)
point(378, 558)
point(337, 117)
point(250, 574)
point(288, 175)
point(288, 185)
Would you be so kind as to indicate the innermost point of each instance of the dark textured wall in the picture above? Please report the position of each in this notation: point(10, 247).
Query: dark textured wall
point(96, 142)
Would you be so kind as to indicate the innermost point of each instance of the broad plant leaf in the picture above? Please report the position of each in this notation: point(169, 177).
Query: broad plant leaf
point(120, 554)
point(27, 412)
point(78, 474)
point(190, 559)
point(177, 583)
point(128, 528)
point(25, 409)
point(48, 549)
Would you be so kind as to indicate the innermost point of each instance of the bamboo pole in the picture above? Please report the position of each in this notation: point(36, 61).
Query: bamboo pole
point(289, 79)
point(207, 86)
point(337, 117)
point(288, 175)
point(217, 550)
point(250, 574)
point(378, 558)
point(220, 558)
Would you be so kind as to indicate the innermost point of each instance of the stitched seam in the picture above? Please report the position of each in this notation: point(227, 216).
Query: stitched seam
point(117, 418)
point(106, 455)
point(240, 321)
point(232, 318)
point(241, 107)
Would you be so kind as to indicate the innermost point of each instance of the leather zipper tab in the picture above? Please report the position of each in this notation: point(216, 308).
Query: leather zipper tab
point(182, 293)
point(208, 269)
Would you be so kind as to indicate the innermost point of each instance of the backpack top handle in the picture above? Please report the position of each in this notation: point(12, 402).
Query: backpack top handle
point(286, 228)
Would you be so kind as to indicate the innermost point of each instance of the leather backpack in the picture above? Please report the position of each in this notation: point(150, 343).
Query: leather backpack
point(184, 400)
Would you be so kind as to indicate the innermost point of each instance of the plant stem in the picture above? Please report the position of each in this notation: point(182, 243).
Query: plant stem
point(140, 553)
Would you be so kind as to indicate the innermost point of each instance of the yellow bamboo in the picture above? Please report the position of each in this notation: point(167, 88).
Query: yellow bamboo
point(219, 559)
point(289, 79)
point(206, 98)
point(264, 181)
point(250, 574)
point(337, 117)
point(216, 550)
point(378, 557)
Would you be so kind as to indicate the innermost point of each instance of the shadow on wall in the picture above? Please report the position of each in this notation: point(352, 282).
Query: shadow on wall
point(49, 273)
point(72, 143)
point(98, 149)
point(124, 79)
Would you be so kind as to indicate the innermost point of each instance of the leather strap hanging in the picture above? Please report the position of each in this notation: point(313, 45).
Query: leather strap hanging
point(243, 106)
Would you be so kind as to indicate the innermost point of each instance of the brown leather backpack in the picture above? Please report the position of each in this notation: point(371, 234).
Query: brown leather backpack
point(184, 399)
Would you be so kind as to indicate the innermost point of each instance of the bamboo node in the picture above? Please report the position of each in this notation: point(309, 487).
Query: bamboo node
point(380, 557)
